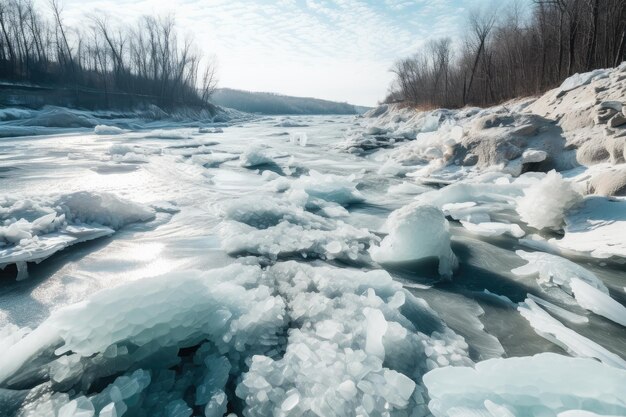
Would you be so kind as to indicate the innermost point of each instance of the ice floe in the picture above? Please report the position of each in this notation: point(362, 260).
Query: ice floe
point(575, 344)
point(546, 384)
point(34, 228)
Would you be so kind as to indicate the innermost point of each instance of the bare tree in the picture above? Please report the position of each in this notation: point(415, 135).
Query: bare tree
point(481, 24)
point(518, 54)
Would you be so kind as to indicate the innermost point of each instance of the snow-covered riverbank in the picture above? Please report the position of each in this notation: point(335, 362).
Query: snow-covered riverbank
point(447, 263)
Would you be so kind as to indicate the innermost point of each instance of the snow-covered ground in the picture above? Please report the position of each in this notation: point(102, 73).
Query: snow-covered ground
point(447, 263)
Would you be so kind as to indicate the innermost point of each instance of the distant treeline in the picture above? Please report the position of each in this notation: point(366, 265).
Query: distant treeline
point(270, 103)
point(514, 52)
point(146, 59)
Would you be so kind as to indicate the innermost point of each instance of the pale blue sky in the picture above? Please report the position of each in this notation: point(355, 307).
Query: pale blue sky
point(333, 49)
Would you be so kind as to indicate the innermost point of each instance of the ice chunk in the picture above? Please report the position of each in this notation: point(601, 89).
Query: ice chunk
point(551, 329)
point(533, 156)
point(107, 130)
point(159, 311)
point(489, 229)
point(544, 384)
point(300, 139)
point(376, 328)
point(350, 348)
point(591, 298)
point(290, 123)
point(167, 134)
point(80, 407)
point(333, 188)
point(434, 143)
point(286, 239)
point(558, 311)
point(216, 407)
point(416, 232)
point(545, 204)
point(291, 401)
point(556, 270)
point(255, 155)
point(37, 227)
point(109, 410)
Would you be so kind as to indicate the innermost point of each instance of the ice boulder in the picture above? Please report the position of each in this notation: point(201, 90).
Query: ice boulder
point(416, 232)
point(546, 384)
point(545, 204)
point(255, 155)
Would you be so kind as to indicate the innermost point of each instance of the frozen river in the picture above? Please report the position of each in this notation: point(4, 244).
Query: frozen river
point(276, 203)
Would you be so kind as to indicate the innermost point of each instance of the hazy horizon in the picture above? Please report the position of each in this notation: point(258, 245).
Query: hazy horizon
point(338, 50)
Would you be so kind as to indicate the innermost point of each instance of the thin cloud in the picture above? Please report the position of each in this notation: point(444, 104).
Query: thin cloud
point(334, 49)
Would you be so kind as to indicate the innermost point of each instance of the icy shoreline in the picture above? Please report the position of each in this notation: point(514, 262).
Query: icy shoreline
point(444, 263)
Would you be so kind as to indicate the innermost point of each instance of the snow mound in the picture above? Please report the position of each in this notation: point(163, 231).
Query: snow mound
point(417, 232)
point(351, 351)
point(255, 155)
point(578, 80)
point(35, 228)
point(107, 130)
point(545, 204)
point(546, 384)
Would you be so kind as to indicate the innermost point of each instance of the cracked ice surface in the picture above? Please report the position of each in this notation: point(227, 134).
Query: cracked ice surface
point(256, 271)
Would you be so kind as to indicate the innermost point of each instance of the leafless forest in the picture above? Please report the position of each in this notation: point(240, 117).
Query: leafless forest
point(148, 58)
point(512, 52)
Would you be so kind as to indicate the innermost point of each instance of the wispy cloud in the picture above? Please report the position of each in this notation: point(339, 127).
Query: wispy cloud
point(335, 49)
